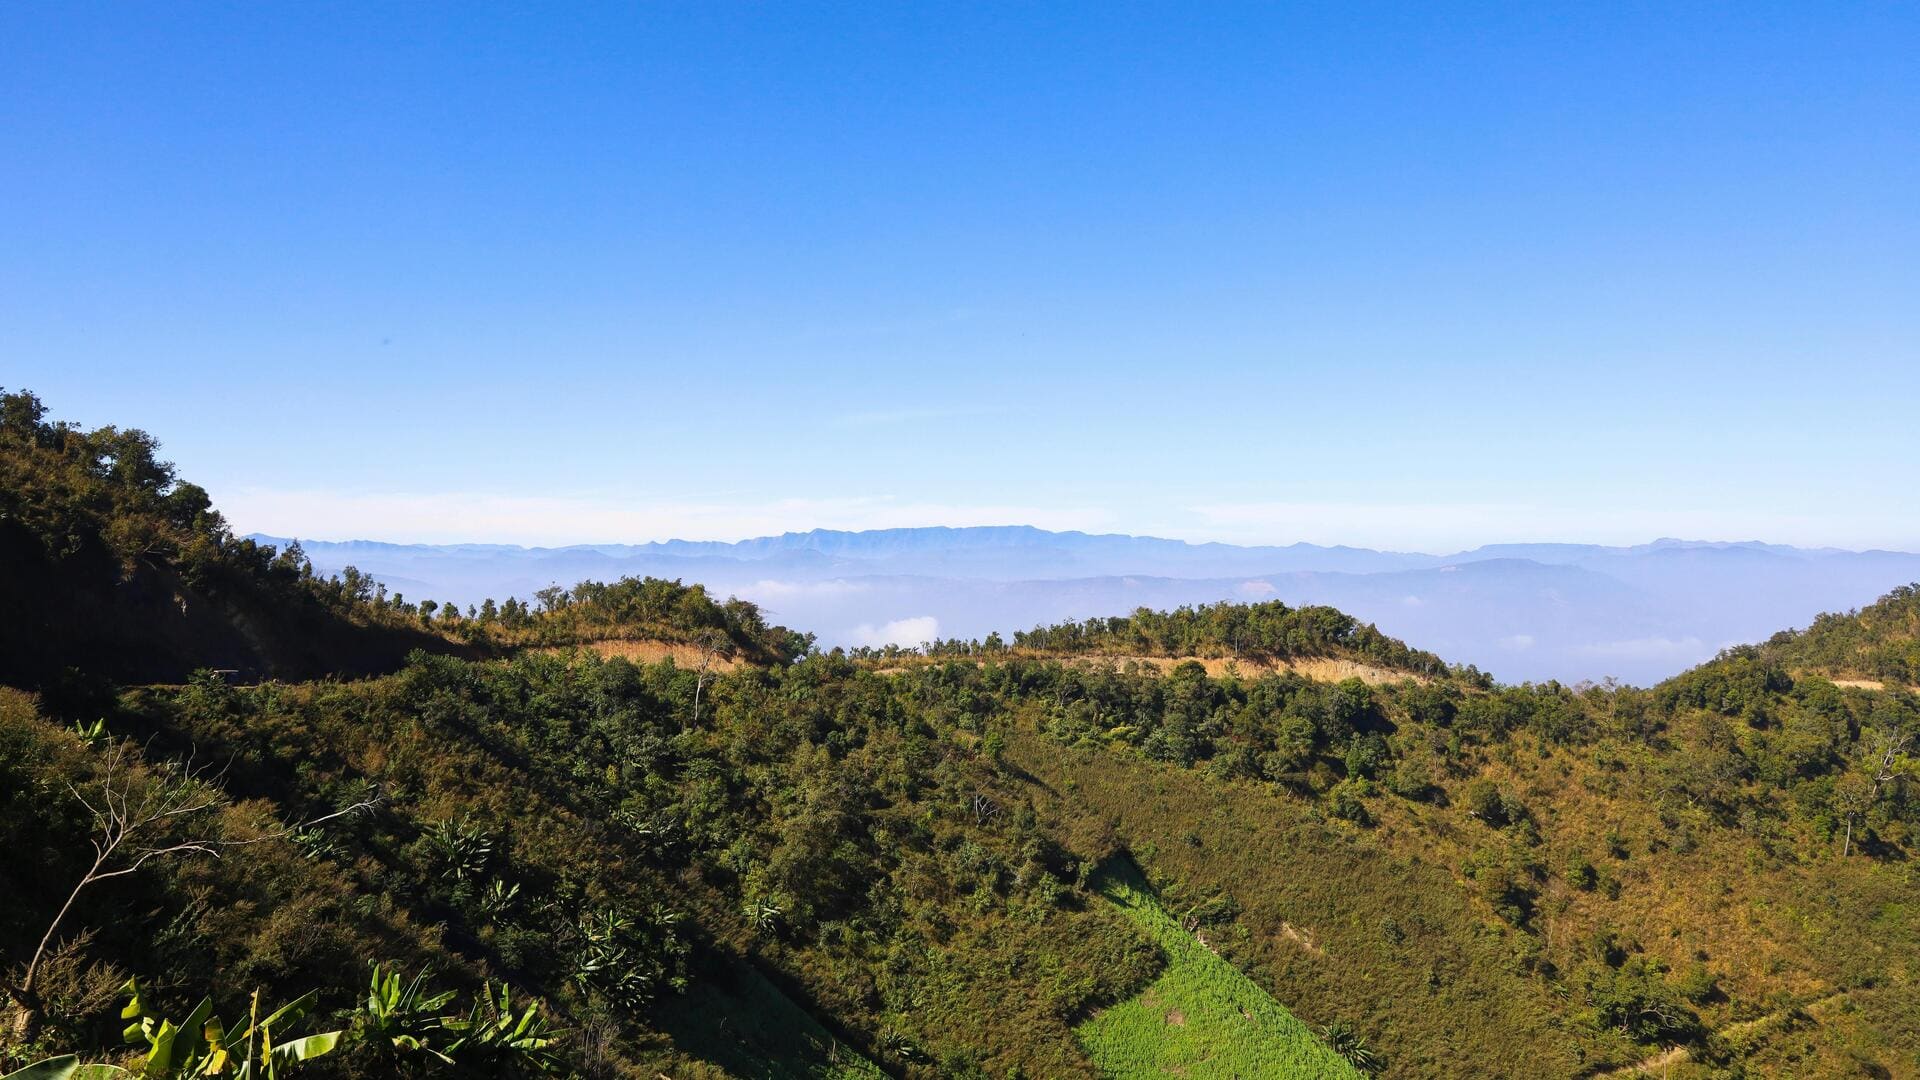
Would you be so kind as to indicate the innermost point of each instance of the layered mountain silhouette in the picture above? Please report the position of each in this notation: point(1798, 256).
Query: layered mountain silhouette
point(1520, 611)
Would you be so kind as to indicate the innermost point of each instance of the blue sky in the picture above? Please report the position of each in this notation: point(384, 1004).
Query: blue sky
point(1412, 276)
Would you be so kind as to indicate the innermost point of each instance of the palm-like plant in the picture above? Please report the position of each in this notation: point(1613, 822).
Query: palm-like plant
point(317, 844)
point(203, 1046)
point(500, 899)
point(93, 735)
point(402, 1016)
point(495, 1036)
point(623, 960)
point(765, 915)
point(66, 1067)
point(460, 848)
point(1344, 1039)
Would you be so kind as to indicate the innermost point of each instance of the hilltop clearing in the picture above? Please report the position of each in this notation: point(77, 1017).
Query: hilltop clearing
point(1319, 670)
point(761, 859)
point(1521, 611)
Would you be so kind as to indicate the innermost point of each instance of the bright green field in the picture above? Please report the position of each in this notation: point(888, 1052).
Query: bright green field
point(1201, 1018)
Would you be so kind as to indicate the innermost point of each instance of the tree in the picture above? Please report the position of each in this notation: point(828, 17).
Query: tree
point(1889, 760)
point(712, 644)
point(1485, 802)
point(139, 817)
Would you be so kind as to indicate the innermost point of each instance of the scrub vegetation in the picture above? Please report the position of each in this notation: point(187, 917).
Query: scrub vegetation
point(225, 779)
point(1201, 1017)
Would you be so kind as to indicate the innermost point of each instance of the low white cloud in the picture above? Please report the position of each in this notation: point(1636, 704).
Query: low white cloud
point(466, 517)
point(1412, 601)
point(898, 632)
point(1256, 588)
point(786, 590)
point(1517, 642)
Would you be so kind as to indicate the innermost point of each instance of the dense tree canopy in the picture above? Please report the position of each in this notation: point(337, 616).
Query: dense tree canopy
point(822, 864)
point(1271, 630)
point(1881, 641)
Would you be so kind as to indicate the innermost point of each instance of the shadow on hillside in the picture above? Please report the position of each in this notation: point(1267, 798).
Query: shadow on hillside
point(735, 1017)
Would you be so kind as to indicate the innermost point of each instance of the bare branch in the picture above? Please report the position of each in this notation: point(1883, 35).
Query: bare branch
point(91, 809)
point(284, 831)
point(129, 809)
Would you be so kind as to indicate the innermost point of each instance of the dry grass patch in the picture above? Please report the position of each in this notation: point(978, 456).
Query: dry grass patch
point(652, 652)
point(1328, 670)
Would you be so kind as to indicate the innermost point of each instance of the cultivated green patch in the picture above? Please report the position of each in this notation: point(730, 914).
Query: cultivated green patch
point(1202, 1017)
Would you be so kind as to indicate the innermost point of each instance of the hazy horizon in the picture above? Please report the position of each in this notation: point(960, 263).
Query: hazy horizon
point(1096, 534)
point(911, 541)
point(1522, 612)
point(1260, 274)
point(1254, 276)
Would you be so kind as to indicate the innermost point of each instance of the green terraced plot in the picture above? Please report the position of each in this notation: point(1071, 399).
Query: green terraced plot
point(1202, 1017)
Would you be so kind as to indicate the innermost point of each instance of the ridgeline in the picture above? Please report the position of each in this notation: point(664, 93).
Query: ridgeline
point(807, 863)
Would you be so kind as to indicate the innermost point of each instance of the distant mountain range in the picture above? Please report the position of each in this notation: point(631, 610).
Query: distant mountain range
point(1520, 611)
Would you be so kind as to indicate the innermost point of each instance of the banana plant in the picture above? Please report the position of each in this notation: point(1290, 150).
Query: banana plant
point(404, 1016)
point(499, 900)
point(461, 849)
point(203, 1046)
point(494, 1038)
point(93, 735)
point(493, 1034)
point(66, 1067)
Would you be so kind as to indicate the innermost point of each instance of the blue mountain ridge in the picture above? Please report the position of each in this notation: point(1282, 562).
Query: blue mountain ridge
point(1523, 611)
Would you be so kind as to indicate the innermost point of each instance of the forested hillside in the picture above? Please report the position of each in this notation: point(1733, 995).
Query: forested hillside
point(1048, 858)
point(1265, 633)
point(1879, 643)
point(117, 570)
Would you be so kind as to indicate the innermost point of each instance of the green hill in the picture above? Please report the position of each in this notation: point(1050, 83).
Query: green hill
point(117, 570)
point(1878, 643)
point(1268, 634)
point(807, 864)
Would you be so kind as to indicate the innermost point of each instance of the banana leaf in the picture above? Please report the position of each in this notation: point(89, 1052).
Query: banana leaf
point(66, 1067)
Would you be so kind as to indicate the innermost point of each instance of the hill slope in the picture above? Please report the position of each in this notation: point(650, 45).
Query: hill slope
point(117, 570)
point(807, 864)
point(1519, 882)
point(1521, 611)
point(1878, 643)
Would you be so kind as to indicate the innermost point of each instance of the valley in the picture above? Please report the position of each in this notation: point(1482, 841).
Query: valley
point(1222, 840)
point(1009, 541)
point(1524, 612)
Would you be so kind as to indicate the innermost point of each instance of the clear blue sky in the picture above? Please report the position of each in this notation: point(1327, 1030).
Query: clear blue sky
point(1417, 276)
